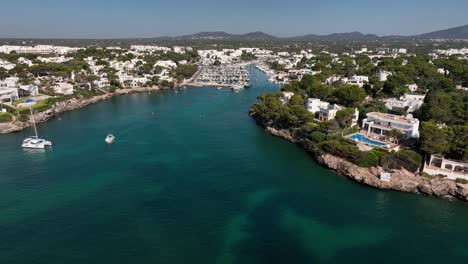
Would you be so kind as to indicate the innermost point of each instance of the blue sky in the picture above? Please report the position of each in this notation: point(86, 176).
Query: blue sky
point(150, 18)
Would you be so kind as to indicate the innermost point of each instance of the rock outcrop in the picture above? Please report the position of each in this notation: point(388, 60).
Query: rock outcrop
point(401, 180)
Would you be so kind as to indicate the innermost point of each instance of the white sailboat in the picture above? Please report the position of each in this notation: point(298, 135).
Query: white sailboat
point(35, 142)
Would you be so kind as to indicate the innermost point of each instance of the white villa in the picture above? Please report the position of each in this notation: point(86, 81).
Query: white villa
point(358, 80)
point(453, 169)
point(329, 113)
point(63, 88)
point(8, 94)
point(9, 82)
point(381, 123)
point(28, 90)
point(102, 82)
point(408, 102)
point(314, 104)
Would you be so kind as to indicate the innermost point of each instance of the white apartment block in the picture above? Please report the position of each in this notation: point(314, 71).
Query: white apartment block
point(382, 123)
point(38, 49)
point(149, 48)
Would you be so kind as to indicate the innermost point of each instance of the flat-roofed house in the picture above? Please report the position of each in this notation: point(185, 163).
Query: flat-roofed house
point(63, 88)
point(8, 94)
point(382, 123)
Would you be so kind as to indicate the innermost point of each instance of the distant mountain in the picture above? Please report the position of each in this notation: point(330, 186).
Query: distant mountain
point(451, 33)
point(338, 37)
point(221, 35)
point(258, 35)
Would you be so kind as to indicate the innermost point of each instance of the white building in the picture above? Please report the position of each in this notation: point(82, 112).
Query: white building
point(38, 49)
point(8, 94)
point(452, 169)
point(59, 59)
point(28, 90)
point(149, 48)
point(10, 82)
point(383, 75)
point(408, 102)
point(286, 97)
point(178, 49)
point(412, 87)
point(7, 65)
point(101, 83)
point(314, 104)
point(381, 123)
point(63, 88)
point(168, 64)
point(358, 80)
point(329, 113)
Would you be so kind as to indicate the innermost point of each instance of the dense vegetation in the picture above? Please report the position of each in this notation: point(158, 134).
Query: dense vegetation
point(443, 129)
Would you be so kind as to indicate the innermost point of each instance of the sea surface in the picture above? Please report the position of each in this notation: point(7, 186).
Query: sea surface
point(192, 179)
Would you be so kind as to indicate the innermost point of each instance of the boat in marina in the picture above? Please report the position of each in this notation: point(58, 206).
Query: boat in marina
point(34, 142)
point(110, 139)
point(236, 88)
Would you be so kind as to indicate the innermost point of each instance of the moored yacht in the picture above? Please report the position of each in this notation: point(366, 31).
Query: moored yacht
point(35, 142)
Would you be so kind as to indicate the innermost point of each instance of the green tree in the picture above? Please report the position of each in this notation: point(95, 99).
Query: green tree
point(350, 95)
point(434, 139)
point(345, 117)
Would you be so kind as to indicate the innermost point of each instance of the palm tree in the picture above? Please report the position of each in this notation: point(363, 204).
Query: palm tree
point(396, 135)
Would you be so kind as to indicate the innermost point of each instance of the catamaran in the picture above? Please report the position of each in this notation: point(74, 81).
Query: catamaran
point(35, 142)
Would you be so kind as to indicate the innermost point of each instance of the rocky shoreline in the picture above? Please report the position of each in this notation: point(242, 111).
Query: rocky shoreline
point(69, 105)
point(401, 180)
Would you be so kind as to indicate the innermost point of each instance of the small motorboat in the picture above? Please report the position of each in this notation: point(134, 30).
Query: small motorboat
point(110, 138)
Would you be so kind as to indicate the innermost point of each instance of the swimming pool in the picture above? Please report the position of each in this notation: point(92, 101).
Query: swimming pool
point(364, 139)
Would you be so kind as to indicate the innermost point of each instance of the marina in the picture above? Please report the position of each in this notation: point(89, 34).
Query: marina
point(233, 76)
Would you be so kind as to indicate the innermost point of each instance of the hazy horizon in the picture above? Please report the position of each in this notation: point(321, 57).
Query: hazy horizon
point(108, 19)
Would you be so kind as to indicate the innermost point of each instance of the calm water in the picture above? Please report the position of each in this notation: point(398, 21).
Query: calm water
point(199, 182)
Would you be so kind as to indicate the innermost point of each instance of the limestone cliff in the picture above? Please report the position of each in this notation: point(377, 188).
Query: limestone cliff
point(401, 180)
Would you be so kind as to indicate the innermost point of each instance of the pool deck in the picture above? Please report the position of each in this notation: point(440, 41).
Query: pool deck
point(363, 146)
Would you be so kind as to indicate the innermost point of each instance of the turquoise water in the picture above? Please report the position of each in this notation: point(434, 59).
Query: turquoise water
point(366, 140)
point(199, 182)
